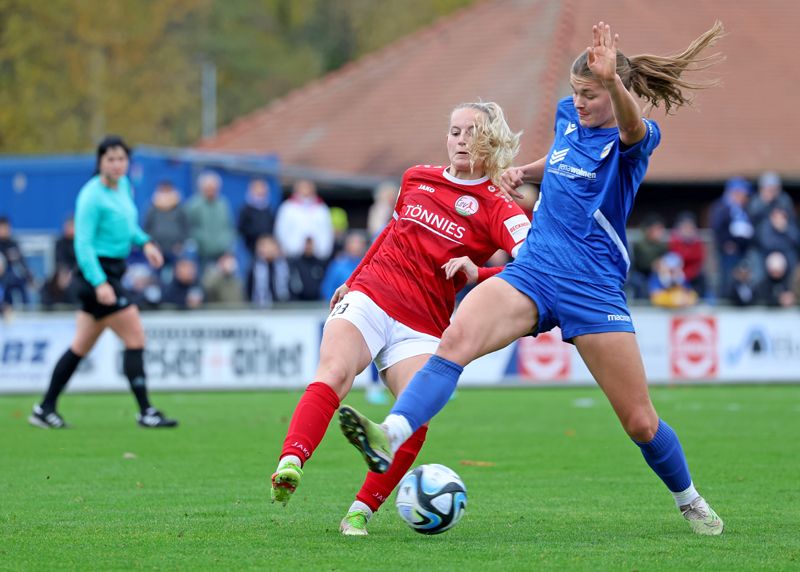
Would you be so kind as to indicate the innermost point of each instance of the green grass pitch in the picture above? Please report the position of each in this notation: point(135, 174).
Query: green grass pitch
point(560, 486)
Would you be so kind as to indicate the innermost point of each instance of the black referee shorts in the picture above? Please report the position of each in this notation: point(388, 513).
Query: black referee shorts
point(114, 269)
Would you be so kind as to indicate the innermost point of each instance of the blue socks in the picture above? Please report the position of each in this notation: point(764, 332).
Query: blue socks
point(665, 456)
point(428, 392)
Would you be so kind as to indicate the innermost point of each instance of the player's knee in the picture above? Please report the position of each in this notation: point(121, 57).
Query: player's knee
point(456, 343)
point(641, 427)
point(336, 374)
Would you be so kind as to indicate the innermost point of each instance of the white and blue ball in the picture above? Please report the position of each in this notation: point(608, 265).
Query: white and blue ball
point(431, 499)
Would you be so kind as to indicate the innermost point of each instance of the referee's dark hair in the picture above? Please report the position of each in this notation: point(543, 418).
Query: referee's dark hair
point(109, 142)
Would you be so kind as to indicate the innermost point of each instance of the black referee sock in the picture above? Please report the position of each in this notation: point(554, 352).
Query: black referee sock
point(133, 367)
point(63, 371)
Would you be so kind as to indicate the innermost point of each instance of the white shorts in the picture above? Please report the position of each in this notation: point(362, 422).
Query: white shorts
point(389, 341)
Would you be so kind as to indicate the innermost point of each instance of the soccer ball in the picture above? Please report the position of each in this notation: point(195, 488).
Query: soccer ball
point(431, 499)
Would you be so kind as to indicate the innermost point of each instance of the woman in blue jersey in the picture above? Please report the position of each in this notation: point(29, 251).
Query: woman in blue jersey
point(105, 227)
point(571, 270)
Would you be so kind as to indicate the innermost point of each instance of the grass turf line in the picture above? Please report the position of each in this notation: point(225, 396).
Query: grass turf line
point(567, 491)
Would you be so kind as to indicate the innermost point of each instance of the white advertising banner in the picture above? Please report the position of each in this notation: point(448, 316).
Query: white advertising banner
point(184, 351)
point(280, 349)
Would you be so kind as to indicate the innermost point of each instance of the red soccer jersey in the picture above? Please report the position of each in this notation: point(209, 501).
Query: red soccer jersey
point(437, 217)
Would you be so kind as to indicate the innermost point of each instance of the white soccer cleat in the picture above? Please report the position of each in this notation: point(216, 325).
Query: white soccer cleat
point(702, 518)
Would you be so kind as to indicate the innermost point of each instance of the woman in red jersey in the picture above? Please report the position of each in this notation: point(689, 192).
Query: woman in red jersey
point(393, 309)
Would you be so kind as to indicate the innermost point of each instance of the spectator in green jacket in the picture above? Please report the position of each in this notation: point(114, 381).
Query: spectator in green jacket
point(210, 220)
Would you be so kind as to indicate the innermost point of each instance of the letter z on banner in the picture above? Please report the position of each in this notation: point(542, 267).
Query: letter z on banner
point(693, 347)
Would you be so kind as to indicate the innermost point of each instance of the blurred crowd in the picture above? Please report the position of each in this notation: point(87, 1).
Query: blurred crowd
point(305, 249)
point(751, 259)
point(261, 256)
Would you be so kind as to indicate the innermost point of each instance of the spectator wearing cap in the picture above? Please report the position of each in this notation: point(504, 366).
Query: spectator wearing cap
point(770, 195)
point(685, 241)
point(733, 231)
point(668, 286)
point(646, 250)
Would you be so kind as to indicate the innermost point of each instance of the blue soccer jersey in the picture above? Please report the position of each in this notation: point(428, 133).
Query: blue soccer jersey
point(587, 193)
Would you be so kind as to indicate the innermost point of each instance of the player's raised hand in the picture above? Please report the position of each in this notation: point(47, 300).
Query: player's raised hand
point(461, 264)
point(510, 180)
point(338, 295)
point(602, 55)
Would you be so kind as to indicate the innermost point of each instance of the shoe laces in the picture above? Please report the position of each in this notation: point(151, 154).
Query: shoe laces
point(696, 510)
point(357, 518)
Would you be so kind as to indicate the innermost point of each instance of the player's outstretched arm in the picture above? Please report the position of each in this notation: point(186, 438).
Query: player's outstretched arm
point(517, 176)
point(602, 60)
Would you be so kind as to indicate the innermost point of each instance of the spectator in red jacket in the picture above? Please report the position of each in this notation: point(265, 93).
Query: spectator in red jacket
point(686, 242)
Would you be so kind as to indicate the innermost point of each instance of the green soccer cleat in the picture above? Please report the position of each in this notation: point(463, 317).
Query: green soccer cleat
point(285, 481)
point(702, 518)
point(368, 437)
point(354, 523)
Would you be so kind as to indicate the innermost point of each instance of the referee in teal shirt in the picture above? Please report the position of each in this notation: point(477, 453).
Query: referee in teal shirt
point(106, 225)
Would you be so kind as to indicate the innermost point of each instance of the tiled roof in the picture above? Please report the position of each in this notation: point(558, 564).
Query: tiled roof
point(389, 110)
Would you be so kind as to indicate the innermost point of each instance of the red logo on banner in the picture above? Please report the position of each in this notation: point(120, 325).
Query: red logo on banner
point(544, 357)
point(693, 340)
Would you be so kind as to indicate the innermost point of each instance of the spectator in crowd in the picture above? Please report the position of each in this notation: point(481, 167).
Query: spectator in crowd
point(221, 282)
point(341, 267)
point(776, 287)
point(167, 223)
point(256, 217)
point(58, 289)
point(733, 231)
point(668, 286)
point(744, 288)
point(770, 195)
point(778, 232)
point(796, 283)
point(341, 226)
point(307, 272)
point(17, 275)
point(268, 280)
point(384, 196)
point(646, 250)
point(685, 241)
point(143, 285)
point(4, 306)
point(210, 221)
point(183, 291)
point(65, 246)
point(301, 216)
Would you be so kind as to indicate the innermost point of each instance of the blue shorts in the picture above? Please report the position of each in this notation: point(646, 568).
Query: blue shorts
point(576, 307)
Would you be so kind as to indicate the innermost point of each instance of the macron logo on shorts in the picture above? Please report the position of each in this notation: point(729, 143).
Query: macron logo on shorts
point(618, 318)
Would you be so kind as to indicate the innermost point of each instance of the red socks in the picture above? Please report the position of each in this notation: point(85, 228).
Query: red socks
point(377, 487)
point(310, 420)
